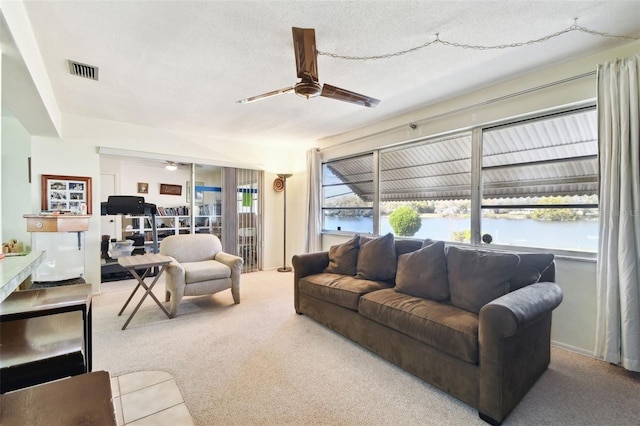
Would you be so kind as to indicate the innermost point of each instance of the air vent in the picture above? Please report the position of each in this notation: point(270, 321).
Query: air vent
point(83, 70)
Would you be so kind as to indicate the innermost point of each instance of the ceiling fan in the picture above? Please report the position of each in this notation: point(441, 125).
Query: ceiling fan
point(304, 45)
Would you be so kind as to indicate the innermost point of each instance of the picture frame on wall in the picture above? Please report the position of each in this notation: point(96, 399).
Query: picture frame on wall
point(199, 195)
point(168, 189)
point(143, 188)
point(66, 194)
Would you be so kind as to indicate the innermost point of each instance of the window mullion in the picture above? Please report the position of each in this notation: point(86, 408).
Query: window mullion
point(476, 185)
point(376, 192)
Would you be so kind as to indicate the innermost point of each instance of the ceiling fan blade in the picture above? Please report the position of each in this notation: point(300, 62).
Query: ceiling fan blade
point(329, 91)
point(266, 95)
point(304, 45)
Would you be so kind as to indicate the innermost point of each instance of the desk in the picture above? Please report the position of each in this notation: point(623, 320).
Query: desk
point(147, 262)
point(85, 399)
point(49, 301)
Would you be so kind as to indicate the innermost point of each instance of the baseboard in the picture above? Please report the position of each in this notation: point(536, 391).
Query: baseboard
point(574, 349)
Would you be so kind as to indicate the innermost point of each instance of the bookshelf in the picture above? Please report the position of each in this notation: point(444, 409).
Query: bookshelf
point(171, 225)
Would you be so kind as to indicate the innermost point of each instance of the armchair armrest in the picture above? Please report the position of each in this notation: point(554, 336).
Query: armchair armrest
point(304, 265)
point(175, 268)
point(514, 336)
point(235, 264)
point(232, 261)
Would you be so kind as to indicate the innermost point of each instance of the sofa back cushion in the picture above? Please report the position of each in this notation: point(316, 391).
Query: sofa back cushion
point(531, 268)
point(343, 258)
point(377, 259)
point(408, 245)
point(477, 277)
point(423, 273)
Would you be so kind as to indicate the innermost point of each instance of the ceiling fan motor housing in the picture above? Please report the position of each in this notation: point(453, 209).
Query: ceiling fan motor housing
point(307, 88)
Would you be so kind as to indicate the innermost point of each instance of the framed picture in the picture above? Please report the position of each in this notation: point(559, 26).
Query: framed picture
point(199, 194)
point(168, 189)
point(66, 193)
point(143, 188)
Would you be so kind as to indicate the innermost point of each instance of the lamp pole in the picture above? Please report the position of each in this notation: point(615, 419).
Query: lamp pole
point(284, 267)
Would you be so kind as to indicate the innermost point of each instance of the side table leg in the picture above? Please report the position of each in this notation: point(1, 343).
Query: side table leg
point(133, 272)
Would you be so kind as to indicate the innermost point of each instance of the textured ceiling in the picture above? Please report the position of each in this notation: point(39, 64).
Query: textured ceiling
point(182, 65)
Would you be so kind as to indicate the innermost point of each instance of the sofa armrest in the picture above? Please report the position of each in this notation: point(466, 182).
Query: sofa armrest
point(516, 310)
point(514, 336)
point(304, 265)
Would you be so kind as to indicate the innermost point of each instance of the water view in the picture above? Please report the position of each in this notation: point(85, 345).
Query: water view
point(580, 235)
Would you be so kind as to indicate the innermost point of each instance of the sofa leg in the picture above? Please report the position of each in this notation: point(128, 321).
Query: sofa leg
point(489, 420)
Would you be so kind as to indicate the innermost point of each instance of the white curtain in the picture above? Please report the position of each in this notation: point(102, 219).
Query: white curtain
point(314, 201)
point(618, 276)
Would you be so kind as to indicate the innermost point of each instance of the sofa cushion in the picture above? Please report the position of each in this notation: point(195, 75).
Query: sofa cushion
point(423, 273)
point(343, 258)
point(439, 325)
point(377, 259)
point(530, 269)
point(477, 277)
point(338, 289)
point(196, 272)
point(407, 246)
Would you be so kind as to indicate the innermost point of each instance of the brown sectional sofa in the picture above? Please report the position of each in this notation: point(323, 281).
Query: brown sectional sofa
point(473, 323)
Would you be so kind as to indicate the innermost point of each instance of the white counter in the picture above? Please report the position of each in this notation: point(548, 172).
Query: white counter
point(15, 269)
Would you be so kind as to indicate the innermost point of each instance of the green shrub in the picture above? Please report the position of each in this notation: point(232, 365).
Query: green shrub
point(405, 221)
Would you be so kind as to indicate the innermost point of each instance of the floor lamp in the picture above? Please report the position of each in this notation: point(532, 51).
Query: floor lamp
point(284, 268)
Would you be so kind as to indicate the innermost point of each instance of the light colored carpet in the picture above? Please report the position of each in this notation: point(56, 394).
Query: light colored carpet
point(260, 363)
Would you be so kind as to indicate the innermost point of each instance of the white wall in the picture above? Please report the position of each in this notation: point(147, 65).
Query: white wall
point(16, 150)
point(51, 156)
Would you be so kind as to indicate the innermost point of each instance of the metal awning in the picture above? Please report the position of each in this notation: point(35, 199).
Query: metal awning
point(552, 156)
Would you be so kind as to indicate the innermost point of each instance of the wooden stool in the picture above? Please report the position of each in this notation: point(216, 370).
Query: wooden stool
point(41, 349)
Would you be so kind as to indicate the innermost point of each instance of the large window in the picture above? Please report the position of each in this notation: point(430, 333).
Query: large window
point(531, 183)
point(540, 182)
point(425, 189)
point(348, 192)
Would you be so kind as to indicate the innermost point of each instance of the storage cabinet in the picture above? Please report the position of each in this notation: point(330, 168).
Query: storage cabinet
point(62, 238)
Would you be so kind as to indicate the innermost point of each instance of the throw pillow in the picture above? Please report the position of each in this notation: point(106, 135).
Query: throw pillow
point(407, 245)
point(344, 257)
point(531, 268)
point(477, 277)
point(377, 259)
point(423, 273)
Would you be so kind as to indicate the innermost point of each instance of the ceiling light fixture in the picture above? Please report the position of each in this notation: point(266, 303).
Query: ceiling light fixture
point(171, 166)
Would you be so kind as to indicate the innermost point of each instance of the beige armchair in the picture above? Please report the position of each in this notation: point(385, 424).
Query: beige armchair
point(199, 267)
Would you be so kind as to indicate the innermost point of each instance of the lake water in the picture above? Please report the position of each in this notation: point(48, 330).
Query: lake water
point(578, 235)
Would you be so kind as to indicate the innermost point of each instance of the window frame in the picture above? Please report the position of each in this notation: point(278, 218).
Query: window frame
point(476, 201)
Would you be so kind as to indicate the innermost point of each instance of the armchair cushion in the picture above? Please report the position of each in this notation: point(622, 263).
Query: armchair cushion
point(206, 270)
